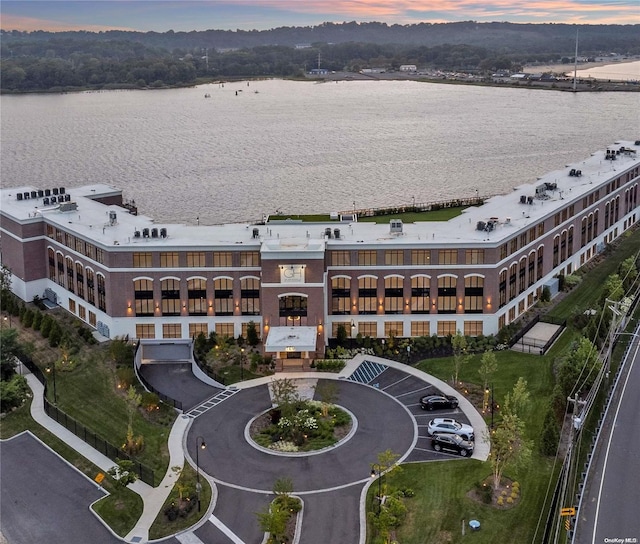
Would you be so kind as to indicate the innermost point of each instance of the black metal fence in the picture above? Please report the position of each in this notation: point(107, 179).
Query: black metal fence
point(164, 398)
point(87, 435)
point(213, 375)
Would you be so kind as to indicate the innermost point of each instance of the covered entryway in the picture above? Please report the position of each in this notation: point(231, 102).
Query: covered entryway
point(292, 348)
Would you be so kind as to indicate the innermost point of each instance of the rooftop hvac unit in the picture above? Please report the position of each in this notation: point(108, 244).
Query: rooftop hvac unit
point(551, 186)
point(336, 233)
point(145, 233)
point(540, 189)
point(34, 194)
point(19, 196)
point(327, 232)
point(53, 199)
point(62, 190)
point(45, 201)
point(154, 233)
point(523, 199)
point(256, 233)
point(163, 232)
point(67, 206)
point(333, 216)
point(480, 225)
point(530, 200)
point(67, 198)
point(26, 195)
point(395, 226)
point(47, 192)
point(55, 190)
point(136, 234)
point(113, 218)
point(40, 193)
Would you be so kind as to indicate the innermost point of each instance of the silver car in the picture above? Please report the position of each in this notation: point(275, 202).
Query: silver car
point(451, 426)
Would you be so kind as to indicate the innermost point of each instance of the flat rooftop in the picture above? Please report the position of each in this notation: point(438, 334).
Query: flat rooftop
point(508, 214)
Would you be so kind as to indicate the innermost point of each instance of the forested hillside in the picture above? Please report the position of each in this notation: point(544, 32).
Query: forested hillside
point(46, 61)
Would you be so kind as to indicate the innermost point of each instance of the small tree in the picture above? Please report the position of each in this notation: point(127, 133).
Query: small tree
point(9, 346)
point(341, 335)
point(253, 338)
point(518, 401)
point(273, 520)
point(488, 366)
point(327, 390)
point(285, 395)
point(283, 487)
point(459, 345)
point(123, 472)
point(509, 449)
point(550, 434)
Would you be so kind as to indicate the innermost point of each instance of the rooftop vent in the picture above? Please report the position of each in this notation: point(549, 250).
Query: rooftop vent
point(163, 232)
point(136, 234)
point(395, 226)
point(154, 233)
point(47, 192)
point(336, 233)
point(68, 206)
point(45, 201)
point(19, 196)
point(327, 232)
point(40, 193)
point(145, 233)
point(256, 233)
point(113, 218)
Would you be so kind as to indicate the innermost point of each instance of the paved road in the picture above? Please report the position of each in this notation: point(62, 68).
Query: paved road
point(611, 499)
point(43, 499)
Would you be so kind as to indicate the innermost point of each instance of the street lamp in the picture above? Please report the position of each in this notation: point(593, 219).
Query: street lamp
point(241, 364)
point(375, 471)
point(51, 369)
point(200, 444)
point(408, 354)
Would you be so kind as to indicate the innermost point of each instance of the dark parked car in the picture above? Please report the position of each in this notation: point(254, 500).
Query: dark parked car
point(438, 402)
point(452, 443)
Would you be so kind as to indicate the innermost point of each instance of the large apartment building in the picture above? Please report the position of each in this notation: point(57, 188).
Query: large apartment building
point(127, 274)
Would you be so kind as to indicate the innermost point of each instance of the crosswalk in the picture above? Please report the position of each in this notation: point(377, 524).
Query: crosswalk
point(211, 402)
point(367, 371)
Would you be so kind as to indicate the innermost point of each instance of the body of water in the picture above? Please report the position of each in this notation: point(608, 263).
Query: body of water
point(302, 147)
point(621, 71)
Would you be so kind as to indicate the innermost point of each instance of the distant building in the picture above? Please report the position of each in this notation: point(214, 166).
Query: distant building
point(408, 68)
point(318, 71)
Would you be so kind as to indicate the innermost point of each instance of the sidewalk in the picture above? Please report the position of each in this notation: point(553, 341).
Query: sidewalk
point(153, 497)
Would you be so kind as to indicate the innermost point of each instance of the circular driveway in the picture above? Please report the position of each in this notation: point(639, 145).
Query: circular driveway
point(383, 424)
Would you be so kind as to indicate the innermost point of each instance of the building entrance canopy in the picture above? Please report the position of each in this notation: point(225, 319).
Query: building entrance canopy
point(291, 339)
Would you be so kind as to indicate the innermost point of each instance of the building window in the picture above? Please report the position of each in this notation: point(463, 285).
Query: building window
point(367, 295)
point(195, 259)
point(473, 328)
point(570, 242)
point(222, 259)
point(91, 293)
point(100, 255)
point(51, 232)
point(142, 260)
point(367, 258)
point(539, 266)
point(393, 295)
point(223, 296)
point(170, 296)
point(474, 256)
point(171, 330)
point(79, 280)
point(393, 257)
point(250, 296)
point(393, 328)
point(82, 313)
point(420, 257)
point(514, 245)
point(145, 331)
point(446, 328)
point(197, 296)
point(60, 267)
point(563, 246)
point(340, 296)
point(90, 251)
point(169, 260)
point(540, 229)
point(504, 251)
point(340, 258)
point(532, 269)
point(143, 296)
point(420, 328)
point(102, 294)
point(293, 306)
point(336, 325)
point(473, 294)
point(522, 275)
point(448, 256)
point(70, 267)
point(250, 258)
point(447, 295)
point(52, 264)
point(502, 289)
point(502, 322)
point(195, 329)
point(92, 319)
point(556, 251)
point(72, 306)
point(420, 295)
point(368, 328)
point(513, 273)
point(225, 330)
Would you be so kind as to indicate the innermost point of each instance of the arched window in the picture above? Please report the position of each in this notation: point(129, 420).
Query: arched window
point(143, 296)
point(250, 296)
point(197, 296)
point(393, 295)
point(340, 295)
point(420, 294)
point(170, 296)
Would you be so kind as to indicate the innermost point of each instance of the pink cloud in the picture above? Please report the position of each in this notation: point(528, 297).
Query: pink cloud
point(30, 24)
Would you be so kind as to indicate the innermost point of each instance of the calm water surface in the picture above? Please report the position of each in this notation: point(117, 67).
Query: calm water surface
point(303, 147)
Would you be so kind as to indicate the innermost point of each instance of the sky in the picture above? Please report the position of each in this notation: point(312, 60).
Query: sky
point(188, 15)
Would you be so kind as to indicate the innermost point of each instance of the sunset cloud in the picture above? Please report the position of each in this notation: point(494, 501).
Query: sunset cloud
point(186, 15)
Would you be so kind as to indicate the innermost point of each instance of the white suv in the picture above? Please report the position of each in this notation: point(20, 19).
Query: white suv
point(448, 425)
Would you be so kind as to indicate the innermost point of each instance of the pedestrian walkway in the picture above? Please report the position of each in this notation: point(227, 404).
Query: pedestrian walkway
point(153, 497)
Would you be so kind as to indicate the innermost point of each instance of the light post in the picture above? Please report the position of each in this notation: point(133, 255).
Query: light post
point(200, 444)
point(375, 471)
point(52, 370)
point(383, 343)
point(408, 355)
point(241, 364)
